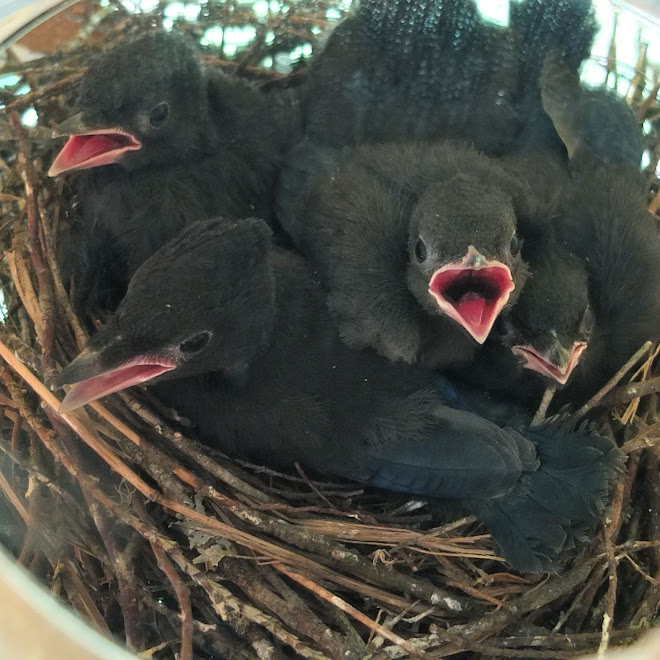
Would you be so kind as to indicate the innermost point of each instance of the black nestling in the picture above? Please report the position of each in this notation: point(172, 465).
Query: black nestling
point(161, 141)
point(432, 69)
point(551, 343)
point(605, 221)
point(539, 342)
point(239, 335)
point(578, 246)
point(416, 243)
point(540, 28)
point(411, 69)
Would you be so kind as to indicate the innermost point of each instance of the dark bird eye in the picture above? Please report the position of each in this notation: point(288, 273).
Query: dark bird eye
point(159, 115)
point(516, 245)
point(195, 343)
point(420, 250)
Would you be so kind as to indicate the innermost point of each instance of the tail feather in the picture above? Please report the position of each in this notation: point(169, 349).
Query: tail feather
point(555, 509)
point(540, 491)
point(567, 27)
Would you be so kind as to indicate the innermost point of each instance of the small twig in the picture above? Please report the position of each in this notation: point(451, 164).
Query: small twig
point(46, 298)
point(610, 597)
point(183, 596)
point(311, 486)
point(49, 90)
point(16, 501)
point(642, 440)
point(626, 393)
point(534, 599)
point(599, 396)
point(539, 417)
point(125, 579)
point(300, 618)
point(349, 609)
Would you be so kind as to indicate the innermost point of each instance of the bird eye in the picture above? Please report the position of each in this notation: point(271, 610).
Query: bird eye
point(195, 343)
point(420, 250)
point(159, 115)
point(516, 245)
point(587, 323)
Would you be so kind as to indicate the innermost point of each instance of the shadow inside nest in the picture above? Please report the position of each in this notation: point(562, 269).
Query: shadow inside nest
point(157, 539)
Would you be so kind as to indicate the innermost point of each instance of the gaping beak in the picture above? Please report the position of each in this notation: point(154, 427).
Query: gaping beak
point(556, 363)
point(92, 381)
point(89, 146)
point(472, 292)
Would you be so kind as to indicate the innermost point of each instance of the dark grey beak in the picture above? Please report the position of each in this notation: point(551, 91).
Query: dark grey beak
point(72, 126)
point(95, 373)
point(86, 365)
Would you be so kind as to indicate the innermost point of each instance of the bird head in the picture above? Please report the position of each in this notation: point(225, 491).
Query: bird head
point(551, 324)
point(464, 253)
point(204, 302)
point(141, 103)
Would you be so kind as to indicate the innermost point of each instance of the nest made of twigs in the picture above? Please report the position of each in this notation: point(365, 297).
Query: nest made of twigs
point(168, 546)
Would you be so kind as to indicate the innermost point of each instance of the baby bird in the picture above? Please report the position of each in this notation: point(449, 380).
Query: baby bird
point(604, 220)
point(238, 335)
point(416, 243)
point(434, 69)
point(593, 252)
point(160, 141)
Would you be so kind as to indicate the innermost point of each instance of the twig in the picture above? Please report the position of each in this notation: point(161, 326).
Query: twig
point(349, 609)
point(125, 579)
point(598, 397)
point(14, 499)
point(183, 596)
point(300, 619)
point(49, 90)
point(642, 440)
point(46, 299)
point(539, 417)
point(627, 393)
point(534, 599)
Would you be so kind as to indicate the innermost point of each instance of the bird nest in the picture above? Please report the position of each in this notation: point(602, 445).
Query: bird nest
point(167, 546)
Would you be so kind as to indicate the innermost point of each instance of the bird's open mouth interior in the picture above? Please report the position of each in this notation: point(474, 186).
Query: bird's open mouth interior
point(138, 370)
point(473, 297)
point(536, 361)
point(102, 147)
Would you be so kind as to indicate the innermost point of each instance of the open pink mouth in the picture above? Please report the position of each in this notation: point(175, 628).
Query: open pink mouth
point(472, 292)
point(100, 147)
point(131, 373)
point(539, 363)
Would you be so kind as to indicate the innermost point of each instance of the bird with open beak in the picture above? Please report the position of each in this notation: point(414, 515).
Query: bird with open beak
point(236, 335)
point(603, 219)
point(592, 249)
point(543, 338)
point(416, 243)
point(160, 141)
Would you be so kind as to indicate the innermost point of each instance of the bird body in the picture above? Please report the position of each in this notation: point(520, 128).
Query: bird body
point(607, 224)
point(415, 242)
point(593, 295)
point(240, 337)
point(158, 146)
point(428, 69)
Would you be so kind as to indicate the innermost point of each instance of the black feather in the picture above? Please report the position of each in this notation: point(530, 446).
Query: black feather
point(217, 154)
point(305, 396)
